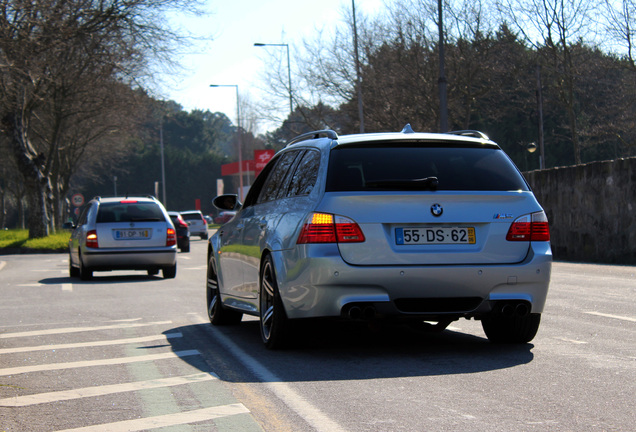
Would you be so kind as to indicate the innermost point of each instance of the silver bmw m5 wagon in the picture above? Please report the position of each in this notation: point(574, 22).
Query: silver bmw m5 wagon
point(407, 226)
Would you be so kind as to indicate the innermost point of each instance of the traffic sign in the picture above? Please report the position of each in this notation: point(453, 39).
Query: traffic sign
point(77, 200)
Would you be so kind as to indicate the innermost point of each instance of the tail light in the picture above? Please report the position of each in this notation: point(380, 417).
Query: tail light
point(171, 237)
point(328, 228)
point(91, 239)
point(530, 227)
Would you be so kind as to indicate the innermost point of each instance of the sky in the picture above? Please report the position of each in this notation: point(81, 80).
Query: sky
point(231, 57)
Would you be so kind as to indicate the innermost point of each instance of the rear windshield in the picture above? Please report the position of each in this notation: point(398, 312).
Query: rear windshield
point(129, 212)
point(192, 216)
point(403, 167)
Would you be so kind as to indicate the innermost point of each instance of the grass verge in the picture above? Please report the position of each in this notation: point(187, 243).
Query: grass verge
point(19, 239)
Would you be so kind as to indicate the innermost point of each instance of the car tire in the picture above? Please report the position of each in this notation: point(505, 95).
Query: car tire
point(73, 272)
point(217, 313)
point(186, 247)
point(273, 319)
point(169, 272)
point(85, 273)
point(204, 236)
point(153, 272)
point(511, 329)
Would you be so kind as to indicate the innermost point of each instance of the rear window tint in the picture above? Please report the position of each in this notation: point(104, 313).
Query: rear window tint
point(374, 168)
point(118, 212)
point(191, 216)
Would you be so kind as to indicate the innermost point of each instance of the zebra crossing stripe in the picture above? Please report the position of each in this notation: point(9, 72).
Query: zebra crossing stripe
point(90, 344)
point(101, 362)
point(27, 400)
point(77, 329)
point(166, 420)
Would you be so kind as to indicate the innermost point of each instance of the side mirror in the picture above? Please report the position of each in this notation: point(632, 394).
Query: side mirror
point(228, 202)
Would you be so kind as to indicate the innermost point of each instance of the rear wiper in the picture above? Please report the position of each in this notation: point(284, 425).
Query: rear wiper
point(413, 184)
point(145, 219)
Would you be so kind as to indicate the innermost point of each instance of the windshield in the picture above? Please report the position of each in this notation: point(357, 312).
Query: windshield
point(408, 167)
point(137, 212)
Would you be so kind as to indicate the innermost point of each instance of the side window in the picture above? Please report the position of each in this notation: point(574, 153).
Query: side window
point(277, 177)
point(304, 178)
point(83, 216)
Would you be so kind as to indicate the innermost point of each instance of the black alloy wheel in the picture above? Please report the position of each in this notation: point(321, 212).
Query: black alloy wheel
point(273, 322)
point(217, 313)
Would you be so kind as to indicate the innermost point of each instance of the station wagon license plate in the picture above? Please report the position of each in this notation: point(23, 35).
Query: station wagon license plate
point(131, 234)
point(440, 235)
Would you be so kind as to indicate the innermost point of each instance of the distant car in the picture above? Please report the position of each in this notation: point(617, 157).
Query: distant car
point(183, 232)
point(125, 233)
point(414, 227)
point(196, 222)
point(224, 217)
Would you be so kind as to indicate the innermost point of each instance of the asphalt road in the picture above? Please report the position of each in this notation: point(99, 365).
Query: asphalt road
point(128, 352)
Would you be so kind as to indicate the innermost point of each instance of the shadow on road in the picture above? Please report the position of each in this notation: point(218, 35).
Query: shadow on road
point(340, 351)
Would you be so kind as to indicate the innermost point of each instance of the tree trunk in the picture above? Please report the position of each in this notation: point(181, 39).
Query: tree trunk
point(29, 163)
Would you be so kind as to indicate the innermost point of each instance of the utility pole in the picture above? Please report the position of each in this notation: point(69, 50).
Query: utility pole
point(358, 83)
point(540, 109)
point(443, 109)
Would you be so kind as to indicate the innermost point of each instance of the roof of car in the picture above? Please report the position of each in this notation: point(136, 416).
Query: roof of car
point(125, 198)
point(331, 138)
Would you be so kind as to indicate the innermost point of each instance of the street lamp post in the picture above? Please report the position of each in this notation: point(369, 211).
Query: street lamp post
point(238, 135)
point(291, 107)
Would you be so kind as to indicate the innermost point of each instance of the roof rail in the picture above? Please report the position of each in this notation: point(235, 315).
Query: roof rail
point(470, 133)
point(313, 135)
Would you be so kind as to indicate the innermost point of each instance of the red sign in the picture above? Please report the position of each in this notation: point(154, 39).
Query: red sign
point(261, 157)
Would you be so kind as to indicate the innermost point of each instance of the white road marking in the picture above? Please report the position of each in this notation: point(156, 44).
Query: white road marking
point(316, 418)
point(30, 285)
point(67, 287)
point(77, 329)
point(167, 420)
point(58, 396)
point(101, 362)
point(612, 316)
point(571, 340)
point(90, 344)
point(2, 264)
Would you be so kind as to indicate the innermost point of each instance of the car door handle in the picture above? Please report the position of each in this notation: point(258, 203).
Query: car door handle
point(262, 223)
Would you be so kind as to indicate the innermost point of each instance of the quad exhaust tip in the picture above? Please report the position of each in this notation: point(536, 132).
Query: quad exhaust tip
point(520, 309)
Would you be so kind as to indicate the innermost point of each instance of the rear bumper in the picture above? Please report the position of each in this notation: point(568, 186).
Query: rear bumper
point(125, 259)
point(323, 285)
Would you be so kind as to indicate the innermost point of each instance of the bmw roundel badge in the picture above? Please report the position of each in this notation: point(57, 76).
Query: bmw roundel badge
point(437, 210)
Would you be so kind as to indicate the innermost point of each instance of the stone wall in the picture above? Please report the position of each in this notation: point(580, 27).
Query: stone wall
point(591, 209)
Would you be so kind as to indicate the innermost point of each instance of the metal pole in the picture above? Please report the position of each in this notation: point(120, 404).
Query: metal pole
point(238, 135)
point(163, 165)
point(443, 109)
point(540, 107)
point(291, 104)
point(358, 83)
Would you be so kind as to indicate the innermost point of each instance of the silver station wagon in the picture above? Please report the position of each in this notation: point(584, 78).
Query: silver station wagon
point(424, 227)
point(124, 233)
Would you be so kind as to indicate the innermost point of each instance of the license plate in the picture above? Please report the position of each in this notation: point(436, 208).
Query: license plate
point(131, 234)
point(440, 235)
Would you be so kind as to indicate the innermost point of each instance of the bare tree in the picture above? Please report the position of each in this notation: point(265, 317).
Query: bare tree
point(53, 55)
point(621, 27)
point(554, 27)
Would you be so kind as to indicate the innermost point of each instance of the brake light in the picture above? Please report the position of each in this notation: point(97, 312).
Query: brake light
point(91, 239)
point(171, 237)
point(530, 227)
point(327, 228)
point(128, 201)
